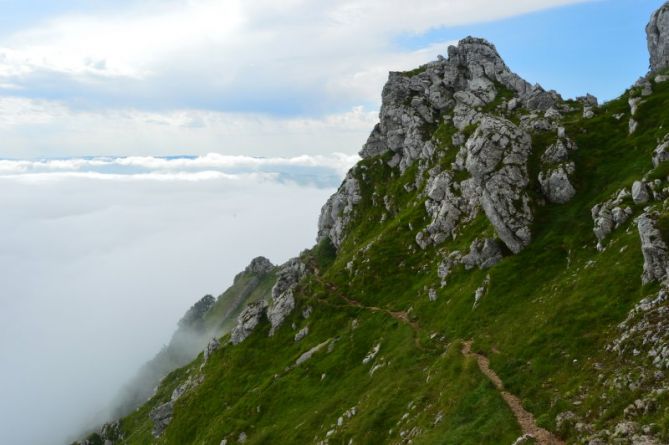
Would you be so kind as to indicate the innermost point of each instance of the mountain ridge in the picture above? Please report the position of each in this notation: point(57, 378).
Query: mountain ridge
point(487, 216)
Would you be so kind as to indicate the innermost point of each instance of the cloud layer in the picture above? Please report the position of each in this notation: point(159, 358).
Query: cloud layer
point(98, 266)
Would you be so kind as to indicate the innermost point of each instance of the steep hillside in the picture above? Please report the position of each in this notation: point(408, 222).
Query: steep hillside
point(207, 319)
point(493, 271)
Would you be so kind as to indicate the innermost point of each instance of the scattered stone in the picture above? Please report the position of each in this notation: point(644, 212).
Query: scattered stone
point(372, 354)
point(310, 353)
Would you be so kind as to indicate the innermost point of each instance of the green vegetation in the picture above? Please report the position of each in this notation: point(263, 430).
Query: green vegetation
point(544, 322)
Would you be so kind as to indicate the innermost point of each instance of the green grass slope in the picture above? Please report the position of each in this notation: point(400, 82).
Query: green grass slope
point(545, 321)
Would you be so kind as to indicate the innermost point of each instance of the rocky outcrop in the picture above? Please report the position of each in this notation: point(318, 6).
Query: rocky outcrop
point(497, 155)
point(555, 183)
point(248, 320)
point(283, 301)
point(467, 80)
point(654, 249)
point(337, 212)
point(657, 33)
point(610, 215)
point(259, 266)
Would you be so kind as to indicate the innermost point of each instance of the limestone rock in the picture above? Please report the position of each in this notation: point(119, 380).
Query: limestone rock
point(449, 204)
point(657, 33)
point(259, 266)
point(483, 253)
point(497, 155)
point(248, 320)
point(654, 249)
point(310, 353)
point(302, 333)
point(555, 183)
point(640, 193)
point(283, 301)
point(337, 212)
point(461, 85)
point(610, 215)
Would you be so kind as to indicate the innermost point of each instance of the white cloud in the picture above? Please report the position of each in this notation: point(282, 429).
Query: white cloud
point(96, 273)
point(232, 49)
point(37, 128)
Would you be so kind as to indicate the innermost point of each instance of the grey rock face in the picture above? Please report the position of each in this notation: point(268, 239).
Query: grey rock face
point(462, 83)
point(248, 320)
point(555, 183)
point(654, 249)
point(449, 204)
point(259, 266)
point(497, 155)
point(657, 34)
point(483, 253)
point(640, 193)
point(283, 301)
point(337, 212)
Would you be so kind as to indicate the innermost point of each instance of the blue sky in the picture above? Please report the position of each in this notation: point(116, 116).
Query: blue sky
point(265, 78)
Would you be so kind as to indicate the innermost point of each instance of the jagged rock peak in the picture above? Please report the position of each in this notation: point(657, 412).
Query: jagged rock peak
point(657, 33)
point(259, 266)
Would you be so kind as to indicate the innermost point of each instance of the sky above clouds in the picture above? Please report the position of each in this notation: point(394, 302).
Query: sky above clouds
point(268, 78)
point(149, 149)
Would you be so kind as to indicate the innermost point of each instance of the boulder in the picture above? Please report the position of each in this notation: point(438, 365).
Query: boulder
point(640, 193)
point(555, 183)
point(654, 249)
point(483, 253)
point(497, 156)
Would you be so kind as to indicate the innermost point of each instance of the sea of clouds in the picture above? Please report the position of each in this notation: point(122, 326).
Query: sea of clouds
point(100, 257)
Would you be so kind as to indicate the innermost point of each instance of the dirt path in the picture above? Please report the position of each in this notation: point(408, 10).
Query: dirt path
point(401, 316)
point(524, 418)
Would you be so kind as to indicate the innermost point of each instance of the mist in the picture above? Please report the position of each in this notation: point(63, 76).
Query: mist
point(97, 269)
